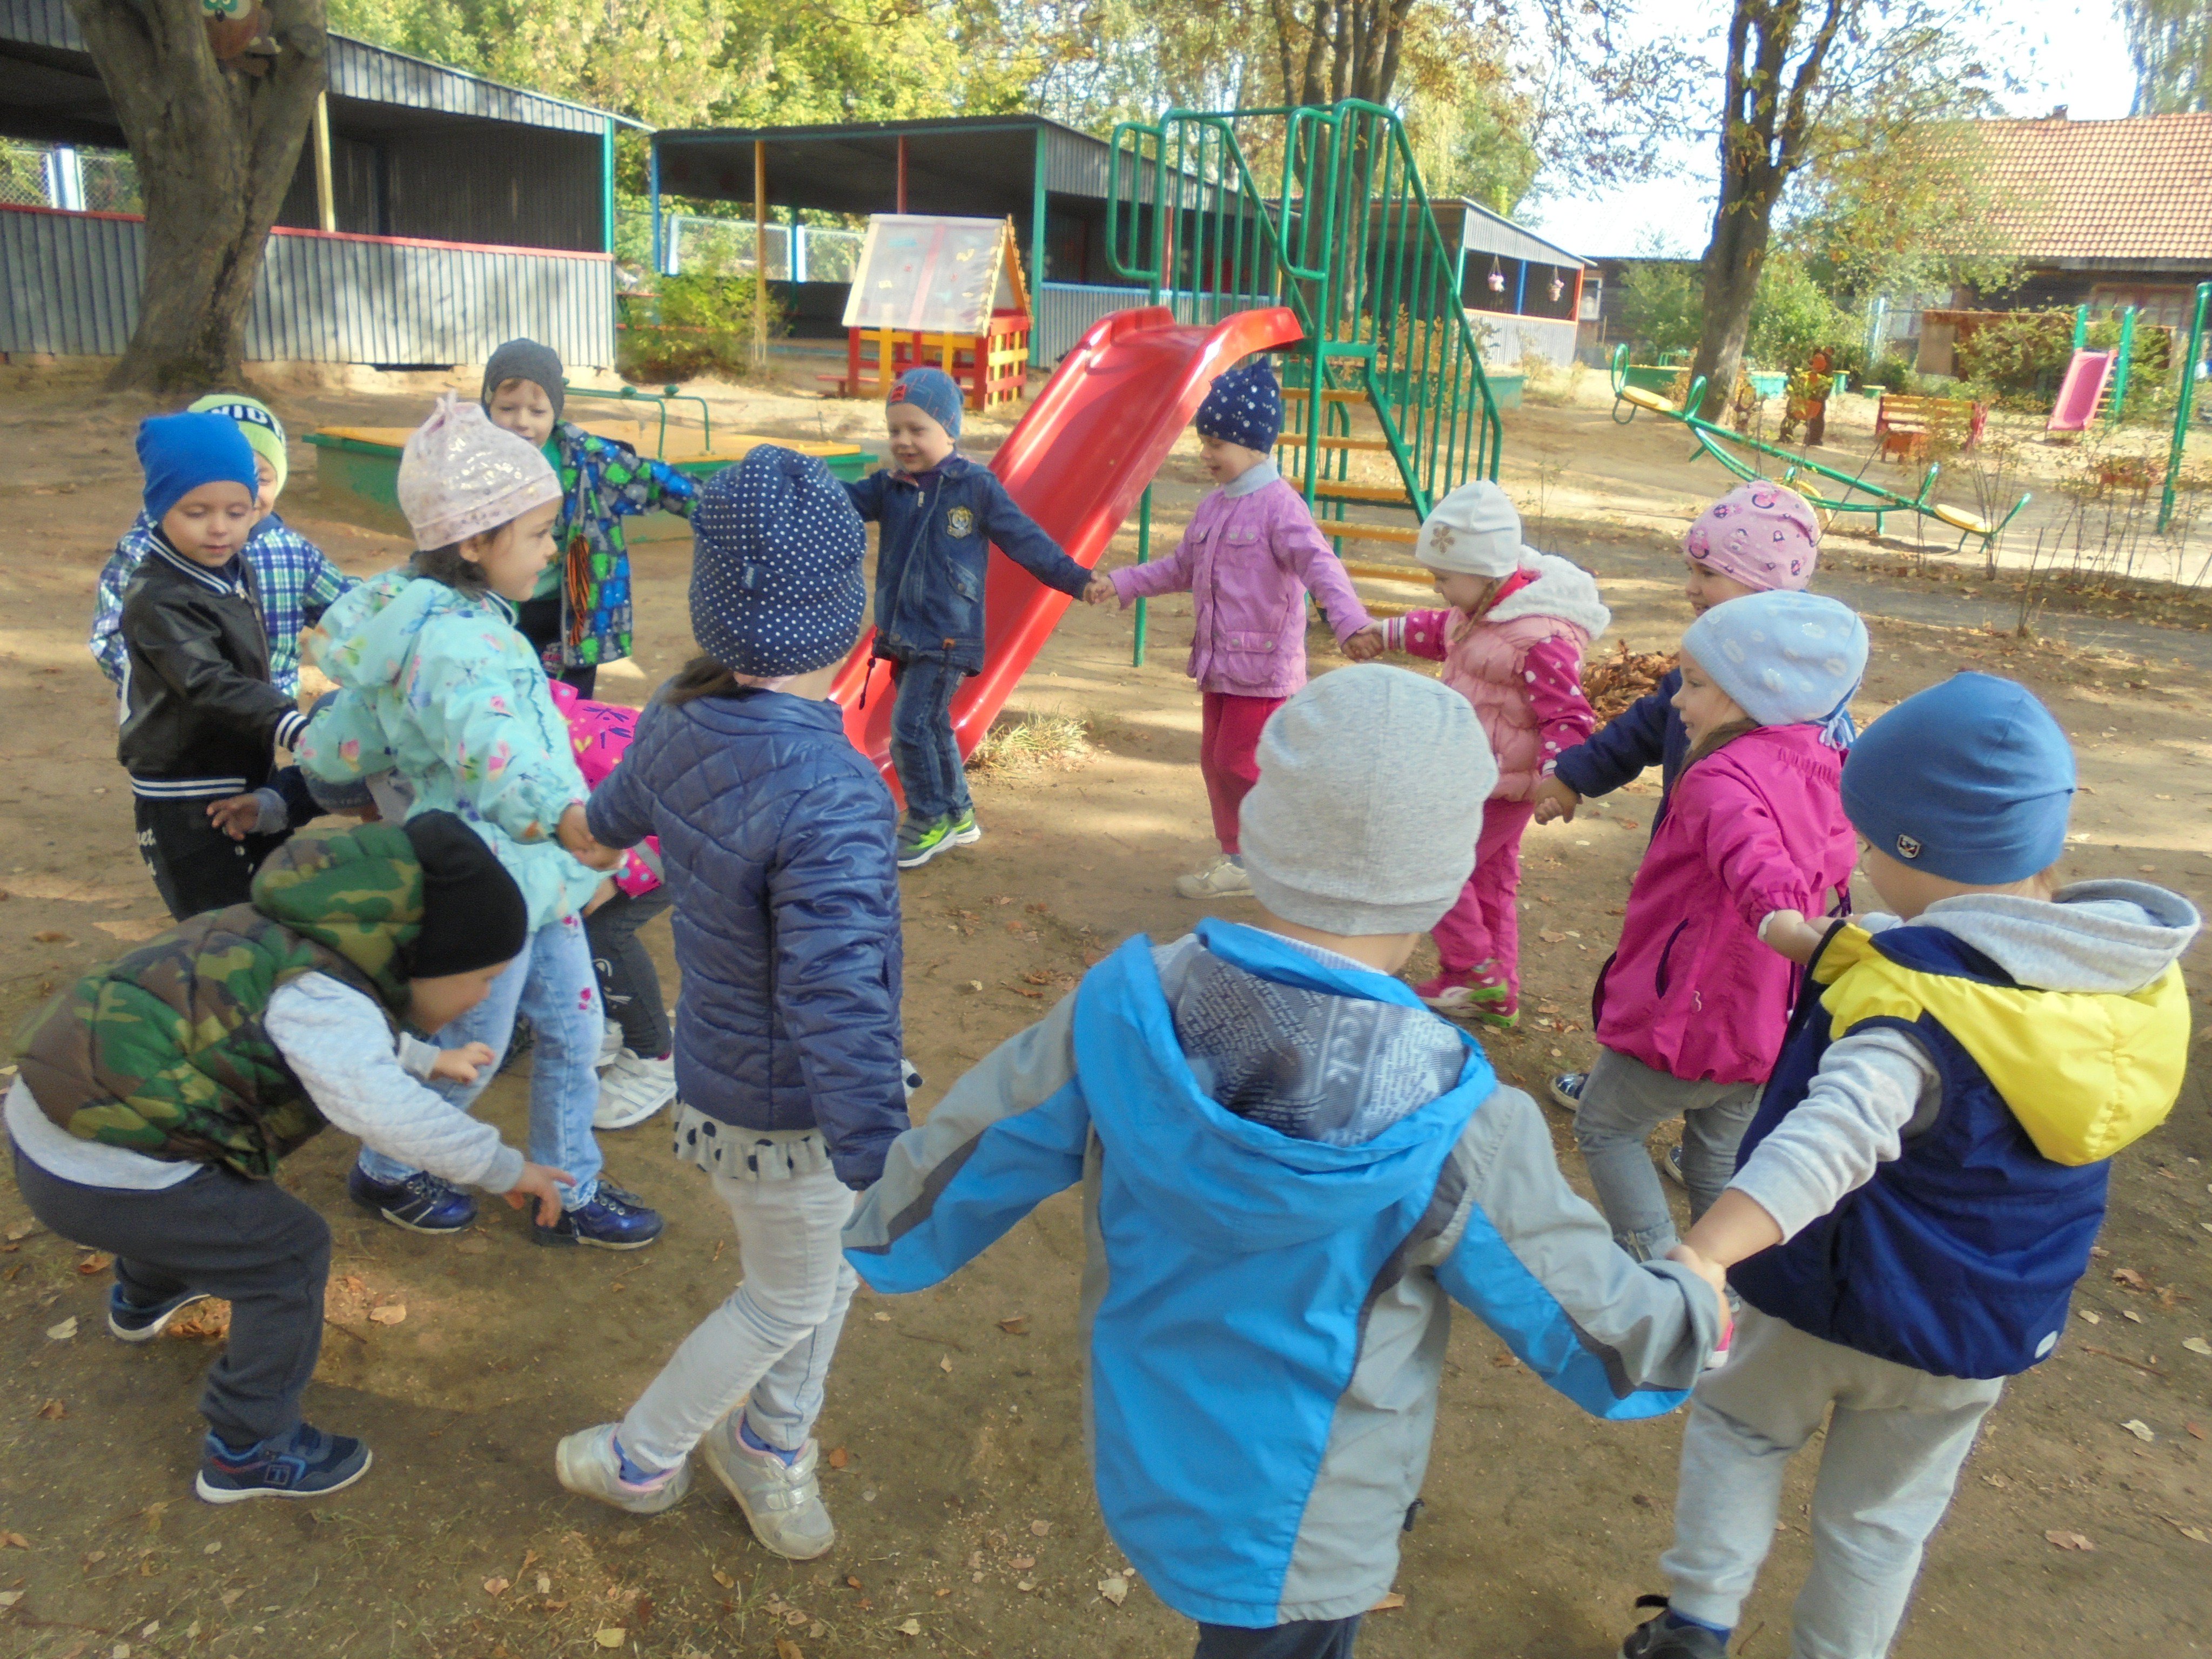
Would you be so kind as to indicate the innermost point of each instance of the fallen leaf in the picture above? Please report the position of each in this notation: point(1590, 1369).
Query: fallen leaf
point(786, 1649)
point(724, 1579)
point(1389, 1603)
point(98, 1261)
point(13, 1541)
point(231, 1596)
point(2141, 1430)
point(1549, 937)
point(53, 936)
point(1114, 1587)
point(1016, 1326)
point(53, 1411)
point(1025, 1585)
point(2090, 1316)
point(795, 1617)
point(8, 1598)
point(945, 1364)
point(62, 1332)
point(2196, 1534)
point(612, 1635)
point(544, 1583)
point(1041, 1528)
point(21, 1231)
point(851, 1582)
point(2130, 1278)
point(839, 1457)
point(494, 1587)
point(390, 1315)
point(909, 1627)
point(2069, 1540)
point(1023, 1563)
point(2197, 1345)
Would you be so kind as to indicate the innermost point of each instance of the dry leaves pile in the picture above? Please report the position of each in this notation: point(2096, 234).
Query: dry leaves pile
point(1612, 682)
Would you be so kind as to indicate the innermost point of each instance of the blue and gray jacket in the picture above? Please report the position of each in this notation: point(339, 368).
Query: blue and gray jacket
point(1290, 1168)
point(932, 553)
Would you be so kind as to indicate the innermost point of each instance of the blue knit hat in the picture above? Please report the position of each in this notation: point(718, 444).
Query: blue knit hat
point(180, 452)
point(1971, 779)
point(1245, 407)
point(776, 573)
point(932, 392)
point(1785, 659)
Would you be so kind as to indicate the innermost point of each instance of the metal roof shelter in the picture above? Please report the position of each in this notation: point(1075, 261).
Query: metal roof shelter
point(1521, 314)
point(458, 207)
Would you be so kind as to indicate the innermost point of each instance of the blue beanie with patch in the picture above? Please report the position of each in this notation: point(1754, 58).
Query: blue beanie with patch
point(1971, 779)
point(1244, 407)
point(776, 571)
point(932, 392)
point(180, 452)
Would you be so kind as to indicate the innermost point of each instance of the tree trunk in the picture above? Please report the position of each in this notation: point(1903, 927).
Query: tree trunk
point(1734, 261)
point(215, 147)
point(1332, 50)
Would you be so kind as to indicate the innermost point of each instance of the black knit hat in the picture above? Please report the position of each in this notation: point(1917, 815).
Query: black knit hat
point(473, 915)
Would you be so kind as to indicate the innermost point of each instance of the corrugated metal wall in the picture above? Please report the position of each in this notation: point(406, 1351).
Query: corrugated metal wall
point(70, 285)
point(1064, 310)
point(513, 187)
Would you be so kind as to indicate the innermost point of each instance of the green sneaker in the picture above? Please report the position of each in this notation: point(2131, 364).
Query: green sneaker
point(963, 831)
point(920, 840)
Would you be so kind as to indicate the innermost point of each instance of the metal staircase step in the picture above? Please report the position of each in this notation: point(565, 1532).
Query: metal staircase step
point(1351, 530)
point(1336, 489)
point(1378, 445)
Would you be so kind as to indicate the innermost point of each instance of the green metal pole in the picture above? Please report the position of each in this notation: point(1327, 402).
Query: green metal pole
point(1144, 553)
point(2184, 405)
point(607, 213)
point(2120, 369)
point(1036, 240)
point(2080, 327)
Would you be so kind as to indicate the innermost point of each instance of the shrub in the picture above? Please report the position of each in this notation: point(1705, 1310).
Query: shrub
point(693, 326)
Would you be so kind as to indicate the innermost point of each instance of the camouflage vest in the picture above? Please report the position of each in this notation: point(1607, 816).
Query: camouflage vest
point(164, 1052)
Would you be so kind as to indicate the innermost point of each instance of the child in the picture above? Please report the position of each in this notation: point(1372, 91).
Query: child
point(1289, 1167)
point(1512, 645)
point(201, 721)
point(638, 1077)
point(434, 685)
point(1689, 1012)
point(157, 1096)
point(578, 614)
point(293, 581)
point(778, 841)
point(1922, 1186)
point(940, 515)
point(1249, 558)
point(1759, 538)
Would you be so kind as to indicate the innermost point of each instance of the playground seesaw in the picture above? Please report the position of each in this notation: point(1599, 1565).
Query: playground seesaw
point(1857, 496)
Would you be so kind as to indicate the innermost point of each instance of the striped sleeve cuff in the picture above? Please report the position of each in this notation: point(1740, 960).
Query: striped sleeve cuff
point(288, 729)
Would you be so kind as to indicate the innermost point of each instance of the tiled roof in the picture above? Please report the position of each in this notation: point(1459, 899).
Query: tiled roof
point(2135, 189)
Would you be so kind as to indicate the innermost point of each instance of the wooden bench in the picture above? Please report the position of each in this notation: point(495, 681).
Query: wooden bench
point(1904, 427)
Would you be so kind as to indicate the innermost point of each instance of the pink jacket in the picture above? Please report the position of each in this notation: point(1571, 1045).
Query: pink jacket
point(1248, 562)
point(1756, 826)
point(1520, 665)
point(599, 732)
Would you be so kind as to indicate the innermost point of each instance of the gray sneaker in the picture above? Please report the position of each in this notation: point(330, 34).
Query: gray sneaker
point(587, 1463)
point(783, 1503)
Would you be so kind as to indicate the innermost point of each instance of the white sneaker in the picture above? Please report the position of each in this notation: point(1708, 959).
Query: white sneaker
point(783, 1503)
point(586, 1463)
point(632, 1090)
point(611, 1044)
point(1219, 879)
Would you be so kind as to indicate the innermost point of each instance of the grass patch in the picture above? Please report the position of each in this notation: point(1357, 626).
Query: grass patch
point(1033, 744)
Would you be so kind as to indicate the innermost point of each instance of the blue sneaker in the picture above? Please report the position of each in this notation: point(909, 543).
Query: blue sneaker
point(613, 1220)
point(305, 1463)
point(422, 1203)
point(128, 1321)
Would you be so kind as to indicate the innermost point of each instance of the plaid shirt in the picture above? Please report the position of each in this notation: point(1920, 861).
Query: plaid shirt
point(295, 584)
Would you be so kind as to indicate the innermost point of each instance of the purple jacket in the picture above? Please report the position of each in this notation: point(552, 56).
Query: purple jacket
point(1757, 825)
point(1248, 562)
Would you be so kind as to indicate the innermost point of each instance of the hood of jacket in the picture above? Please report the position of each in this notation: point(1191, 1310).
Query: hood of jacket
point(359, 893)
point(1562, 589)
point(366, 639)
point(1226, 1184)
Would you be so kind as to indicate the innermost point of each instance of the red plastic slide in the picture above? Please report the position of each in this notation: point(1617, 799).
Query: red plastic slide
point(2078, 394)
point(1076, 463)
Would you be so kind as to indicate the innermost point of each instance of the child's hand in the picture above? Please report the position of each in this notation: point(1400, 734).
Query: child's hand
point(236, 815)
point(1364, 646)
point(1712, 1273)
point(1102, 590)
point(576, 834)
point(1789, 934)
point(1554, 799)
point(606, 891)
point(543, 1184)
point(461, 1065)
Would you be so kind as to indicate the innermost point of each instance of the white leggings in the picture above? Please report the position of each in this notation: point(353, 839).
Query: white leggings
point(774, 1338)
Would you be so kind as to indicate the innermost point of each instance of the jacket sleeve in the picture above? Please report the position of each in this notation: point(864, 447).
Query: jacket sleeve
point(867, 494)
point(106, 643)
point(1302, 550)
point(662, 486)
point(1553, 670)
point(1017, 535)
point(1742, 844)
point(470, 707)
point(326, 584)
point(1631, 741)
point(1421, 633)
point(344, 741)
point(1007, 1136)
point(837, 950)
point(1621, 1339)
point(182, 645)
point(1155, 576)
point(620, 810)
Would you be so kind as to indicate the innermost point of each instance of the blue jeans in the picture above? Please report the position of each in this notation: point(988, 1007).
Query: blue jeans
point(1622, 1102)
point(553, 983)
point(924, 751)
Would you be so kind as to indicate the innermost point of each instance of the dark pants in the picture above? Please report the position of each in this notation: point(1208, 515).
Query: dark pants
point(248, 1241)
point(194, 865)
point(538, 621)
point(629, 982)
point(1307, 1638)
point(924, 751)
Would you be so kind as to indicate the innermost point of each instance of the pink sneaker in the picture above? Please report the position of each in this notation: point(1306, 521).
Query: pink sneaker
point(1478, 993)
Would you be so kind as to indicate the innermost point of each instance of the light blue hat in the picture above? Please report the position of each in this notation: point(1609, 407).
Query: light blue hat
point(1786, 659)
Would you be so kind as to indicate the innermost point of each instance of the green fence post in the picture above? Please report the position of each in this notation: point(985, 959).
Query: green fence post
point(2122, 367)
point(1143, 553)
point(2185, 406)
point(2080, 328)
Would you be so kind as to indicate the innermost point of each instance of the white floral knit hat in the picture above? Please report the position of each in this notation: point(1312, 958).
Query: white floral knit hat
point(1474, 531)
point(460, 476)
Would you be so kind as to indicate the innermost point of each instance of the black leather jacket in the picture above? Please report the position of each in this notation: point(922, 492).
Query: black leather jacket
point(199, 715)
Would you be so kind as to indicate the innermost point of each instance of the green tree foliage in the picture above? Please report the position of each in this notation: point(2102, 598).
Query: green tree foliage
point(2170, 42)
point(1662, 307)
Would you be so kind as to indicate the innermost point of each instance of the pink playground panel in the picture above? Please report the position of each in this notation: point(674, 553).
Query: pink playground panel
point(2078, 394)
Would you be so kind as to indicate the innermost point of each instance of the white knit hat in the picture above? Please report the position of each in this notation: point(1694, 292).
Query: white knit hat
point(1370, 792)
point(460, 476)
point(1473, 532)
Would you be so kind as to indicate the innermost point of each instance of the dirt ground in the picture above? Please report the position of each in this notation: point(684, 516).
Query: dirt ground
point(961, 1490)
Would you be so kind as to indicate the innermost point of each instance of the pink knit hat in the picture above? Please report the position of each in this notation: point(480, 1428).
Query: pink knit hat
point(1763, 535)
point(460, 476)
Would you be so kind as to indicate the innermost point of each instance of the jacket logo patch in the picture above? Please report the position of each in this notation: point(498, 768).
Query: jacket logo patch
point(960, 521)
point(1908, 847)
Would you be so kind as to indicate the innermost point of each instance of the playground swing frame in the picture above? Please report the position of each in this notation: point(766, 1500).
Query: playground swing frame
point(1879, 504)
point(2184, 406)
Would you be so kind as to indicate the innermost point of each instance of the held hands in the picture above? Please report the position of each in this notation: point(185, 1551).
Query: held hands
point(542, 1183)
point(1712, 1273)
point(1101, 592)
point(1554, 799)
point(236, 815)
point(1789, 934)
point(461, 1065)
point(1364, 646)
point(576, 837)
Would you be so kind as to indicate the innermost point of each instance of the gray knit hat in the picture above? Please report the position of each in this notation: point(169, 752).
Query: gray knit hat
point(526, 360)
point(1370, 792)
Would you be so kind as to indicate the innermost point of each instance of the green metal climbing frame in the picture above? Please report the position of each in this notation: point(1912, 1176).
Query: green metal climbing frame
point(2184, 405)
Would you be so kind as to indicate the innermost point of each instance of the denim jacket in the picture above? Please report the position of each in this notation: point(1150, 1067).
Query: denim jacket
point(937, 529)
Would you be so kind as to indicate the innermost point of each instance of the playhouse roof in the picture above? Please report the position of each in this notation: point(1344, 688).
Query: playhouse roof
point(2129, 192)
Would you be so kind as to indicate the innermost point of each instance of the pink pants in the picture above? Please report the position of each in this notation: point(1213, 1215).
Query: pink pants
point(1228, 746)
point(1482, 927)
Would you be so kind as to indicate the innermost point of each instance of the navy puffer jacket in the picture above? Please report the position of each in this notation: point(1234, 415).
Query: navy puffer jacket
point(776, 836)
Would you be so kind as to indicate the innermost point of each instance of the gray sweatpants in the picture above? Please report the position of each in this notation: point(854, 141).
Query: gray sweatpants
point(1887, 1470)
point(1623, 1101)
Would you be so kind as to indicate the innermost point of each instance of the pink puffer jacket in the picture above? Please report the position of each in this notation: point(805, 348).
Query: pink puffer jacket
point(599, 732)
point(1756, 826)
